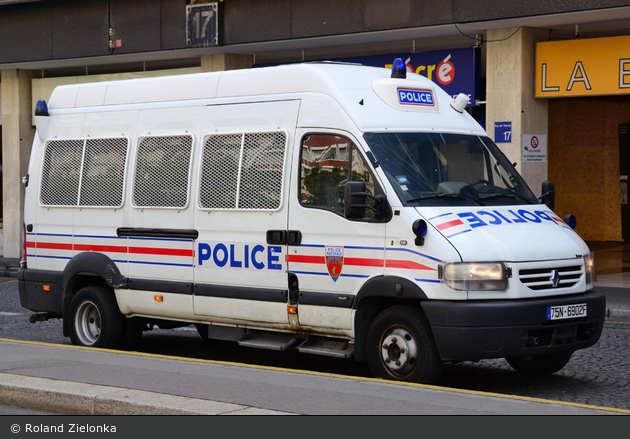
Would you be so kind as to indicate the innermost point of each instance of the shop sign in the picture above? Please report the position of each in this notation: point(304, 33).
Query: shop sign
point(534, 148)
point(583, 67)
point(455, 71)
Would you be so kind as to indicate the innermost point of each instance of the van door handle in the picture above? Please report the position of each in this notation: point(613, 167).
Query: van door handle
point(277, 237)
point(294, 237)
point(283, 237)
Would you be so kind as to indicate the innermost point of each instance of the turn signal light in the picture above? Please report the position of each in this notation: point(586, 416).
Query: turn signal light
point(291, 310)
point(158, 298)
point(46, 287)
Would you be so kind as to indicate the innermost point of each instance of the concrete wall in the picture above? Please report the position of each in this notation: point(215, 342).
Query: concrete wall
point(17, 138)
point(510, 70)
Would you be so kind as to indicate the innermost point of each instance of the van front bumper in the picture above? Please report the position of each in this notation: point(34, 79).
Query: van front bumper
point(473, 330)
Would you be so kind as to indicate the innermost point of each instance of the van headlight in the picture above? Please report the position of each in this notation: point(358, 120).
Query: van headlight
point(476, 276)
point(589, 268)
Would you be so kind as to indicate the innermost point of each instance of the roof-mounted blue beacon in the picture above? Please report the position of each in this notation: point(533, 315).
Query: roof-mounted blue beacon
point(41, 109)
point(399, 69)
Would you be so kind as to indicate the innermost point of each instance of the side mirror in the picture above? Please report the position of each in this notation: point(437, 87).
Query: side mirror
point(355, 198)
point(355, 201)
point(548, 194)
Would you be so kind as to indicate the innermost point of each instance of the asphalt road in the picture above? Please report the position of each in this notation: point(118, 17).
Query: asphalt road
point(598, 376)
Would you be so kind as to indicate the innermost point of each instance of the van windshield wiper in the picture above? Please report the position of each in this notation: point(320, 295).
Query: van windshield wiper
point(455, 196)
point(507, 195)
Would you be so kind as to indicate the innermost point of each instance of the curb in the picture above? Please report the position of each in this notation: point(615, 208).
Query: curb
point(70, 398)
point(618, 313)
point(8, 273)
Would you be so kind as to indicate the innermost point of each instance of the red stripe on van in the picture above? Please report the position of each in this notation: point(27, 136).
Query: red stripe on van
point(100, 248)
point(304, 259)
point(407, 264)
point(361, 262)
point(53, 246)
point(161, 251)
point(449, 224)
point(112, 249)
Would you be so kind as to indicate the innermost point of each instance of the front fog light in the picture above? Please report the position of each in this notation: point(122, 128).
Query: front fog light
point(590, 269)
point(476, 276)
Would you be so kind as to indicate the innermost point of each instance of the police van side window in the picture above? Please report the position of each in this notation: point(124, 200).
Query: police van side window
point(162, 171)
point(242, 171)
point(327, 163)
point(84, 172)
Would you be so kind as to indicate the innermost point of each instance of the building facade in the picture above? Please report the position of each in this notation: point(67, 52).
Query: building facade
point(550, 81)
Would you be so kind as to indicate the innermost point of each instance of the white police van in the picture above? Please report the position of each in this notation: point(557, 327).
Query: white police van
point(332, 209)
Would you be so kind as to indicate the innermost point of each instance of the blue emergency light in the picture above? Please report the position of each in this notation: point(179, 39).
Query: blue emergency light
point(571, 221)
point(41, 109)
point(399, 69)
point(419, 228)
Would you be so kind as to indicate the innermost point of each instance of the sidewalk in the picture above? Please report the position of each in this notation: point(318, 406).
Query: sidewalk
point(80, 381)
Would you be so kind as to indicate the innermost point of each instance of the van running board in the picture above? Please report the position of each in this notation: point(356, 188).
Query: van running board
point(312, 345)
point(263, 340)
point(327, 347)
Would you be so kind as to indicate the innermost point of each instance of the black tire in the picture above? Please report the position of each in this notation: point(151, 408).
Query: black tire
point(541, 365)
point(94, 318)
point(400, 347)
point(132, 333)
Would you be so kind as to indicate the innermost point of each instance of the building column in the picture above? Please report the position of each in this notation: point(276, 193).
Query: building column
point(510, 82)
point(17, 139)
point(220, 62)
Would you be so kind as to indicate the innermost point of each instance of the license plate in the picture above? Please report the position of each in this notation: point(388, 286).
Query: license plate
point(566, 311)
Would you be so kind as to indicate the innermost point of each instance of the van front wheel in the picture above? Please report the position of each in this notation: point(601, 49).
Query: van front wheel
point(400, 347)
point(95, 320)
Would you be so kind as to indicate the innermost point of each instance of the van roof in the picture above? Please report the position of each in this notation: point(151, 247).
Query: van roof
point(324, 77)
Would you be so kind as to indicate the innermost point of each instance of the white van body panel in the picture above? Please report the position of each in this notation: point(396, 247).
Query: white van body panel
point(190, 198)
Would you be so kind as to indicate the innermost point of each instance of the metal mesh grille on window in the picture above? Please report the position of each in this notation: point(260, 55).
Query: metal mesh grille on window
point(61, 173)
point(261, 171)
point(219, 171)
point(162, 171)
point(103, 172)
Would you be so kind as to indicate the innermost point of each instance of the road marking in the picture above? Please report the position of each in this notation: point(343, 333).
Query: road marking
point(332, 375)
point(10, 313)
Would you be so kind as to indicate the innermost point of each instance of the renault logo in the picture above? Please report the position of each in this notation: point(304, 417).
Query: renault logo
point(555, 278)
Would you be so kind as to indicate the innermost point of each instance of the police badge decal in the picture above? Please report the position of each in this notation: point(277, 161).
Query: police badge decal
point(334, 261)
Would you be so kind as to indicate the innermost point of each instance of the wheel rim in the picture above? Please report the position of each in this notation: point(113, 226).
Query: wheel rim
point(399, 352)
point(88, 323)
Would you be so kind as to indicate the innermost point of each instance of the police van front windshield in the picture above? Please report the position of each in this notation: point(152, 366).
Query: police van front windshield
point(435, 169)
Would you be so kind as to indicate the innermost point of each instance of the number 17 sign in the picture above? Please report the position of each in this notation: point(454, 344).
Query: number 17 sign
point(202, 25)
point(503, 132)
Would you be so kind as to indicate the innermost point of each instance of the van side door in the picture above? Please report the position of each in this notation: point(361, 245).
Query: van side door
point(240, 266)
point(336, 255)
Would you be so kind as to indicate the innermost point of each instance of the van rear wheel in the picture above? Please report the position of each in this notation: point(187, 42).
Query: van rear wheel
point(94, 318)
point(400, 347)
point(541, 365)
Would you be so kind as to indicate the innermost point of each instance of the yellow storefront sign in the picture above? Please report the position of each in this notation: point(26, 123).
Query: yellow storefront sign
point(584, 67)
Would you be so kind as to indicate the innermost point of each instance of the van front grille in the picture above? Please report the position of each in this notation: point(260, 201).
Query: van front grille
point(551, 278)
